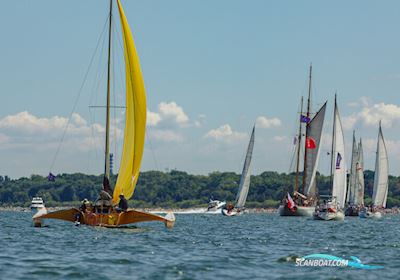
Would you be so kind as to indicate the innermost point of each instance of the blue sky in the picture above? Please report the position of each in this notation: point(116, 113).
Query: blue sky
point(211, 68)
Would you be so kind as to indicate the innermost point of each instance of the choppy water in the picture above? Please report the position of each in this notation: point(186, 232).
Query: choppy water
point(253, 246)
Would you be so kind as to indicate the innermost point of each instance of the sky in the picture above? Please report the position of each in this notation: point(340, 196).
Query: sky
point(211, 69)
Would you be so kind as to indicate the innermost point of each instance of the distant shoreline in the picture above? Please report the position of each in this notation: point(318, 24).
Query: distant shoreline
point(151, 210)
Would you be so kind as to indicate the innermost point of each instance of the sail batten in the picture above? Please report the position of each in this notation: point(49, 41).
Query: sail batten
point(135, 116)
point(245, 178)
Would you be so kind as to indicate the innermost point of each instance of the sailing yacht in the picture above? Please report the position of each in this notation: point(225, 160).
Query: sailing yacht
point(241, 196)
point(331, 210)
point(355, 192)
point(381, 180)
point(104, 211)
point(305, 201)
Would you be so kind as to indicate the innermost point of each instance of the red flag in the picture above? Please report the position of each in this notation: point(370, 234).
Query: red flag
point(290, 203)
point(310, 143)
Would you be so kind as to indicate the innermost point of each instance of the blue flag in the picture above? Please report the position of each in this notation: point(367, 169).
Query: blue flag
point(304, 119)
point(51, 177)
point(338, 160)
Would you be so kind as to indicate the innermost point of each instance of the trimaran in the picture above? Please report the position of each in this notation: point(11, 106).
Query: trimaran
point(104, 212)
point(305, 200)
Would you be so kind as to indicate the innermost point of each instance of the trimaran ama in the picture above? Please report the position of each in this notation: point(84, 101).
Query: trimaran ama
point(305, 201)
point(244, 185)
point(331, 210)
point(104, 212)
point(381, 180)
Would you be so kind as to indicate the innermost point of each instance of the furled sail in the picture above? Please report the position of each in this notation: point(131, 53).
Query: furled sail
point(360, 175)
point(135, 116)
point(351, 193)
point(339, 163)
point(245, 178)
point(314, 131)
point(380, 192)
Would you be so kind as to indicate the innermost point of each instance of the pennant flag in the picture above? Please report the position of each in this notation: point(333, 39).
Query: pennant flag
point(310, 143)
point(304, 119)
point(51, 177)
point(290, 203)
point(338, 160)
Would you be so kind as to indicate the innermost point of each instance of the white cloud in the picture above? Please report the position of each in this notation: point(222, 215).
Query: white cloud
point(171, 111)
point(25, 129)
point(225, 133)
point(166, 135)
point(264, 122)
point(169, 114)
point(370, 115)
point(153, 118)
point(280, 138)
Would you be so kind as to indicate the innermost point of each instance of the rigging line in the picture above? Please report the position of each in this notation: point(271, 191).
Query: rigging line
point(113, 49)
point(100, 74)
point(152, 151)
point(75, 103)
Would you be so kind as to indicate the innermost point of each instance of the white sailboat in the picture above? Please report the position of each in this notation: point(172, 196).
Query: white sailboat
point(305, 201)
point(381, 180)
point(332, 209)
point(355, 192)
point(244, 185)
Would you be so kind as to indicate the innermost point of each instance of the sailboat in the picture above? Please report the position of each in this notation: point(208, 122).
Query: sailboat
point(381, 180)
point(332, 209)
point(244, 184)
point(104, 211)
point(305, 201)
point(355, 192)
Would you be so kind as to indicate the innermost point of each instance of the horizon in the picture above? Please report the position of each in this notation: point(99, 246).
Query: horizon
point(210, 74)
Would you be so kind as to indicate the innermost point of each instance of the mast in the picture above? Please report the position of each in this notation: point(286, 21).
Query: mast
point(308, 116)
point(333, 139)
point(296, 187)
point(107, 147)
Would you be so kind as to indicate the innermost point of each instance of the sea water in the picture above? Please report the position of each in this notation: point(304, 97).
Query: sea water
point(200, 246)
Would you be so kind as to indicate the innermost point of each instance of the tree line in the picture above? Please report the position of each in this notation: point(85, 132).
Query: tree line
point(171, 189)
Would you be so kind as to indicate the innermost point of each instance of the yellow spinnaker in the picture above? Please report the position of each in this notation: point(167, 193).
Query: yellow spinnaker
point(135, 117)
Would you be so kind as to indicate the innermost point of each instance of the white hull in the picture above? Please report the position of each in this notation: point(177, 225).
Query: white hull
point(231, 213)
point(370, 215)
point(302, 211)
point(215, 207)
point(329, 216)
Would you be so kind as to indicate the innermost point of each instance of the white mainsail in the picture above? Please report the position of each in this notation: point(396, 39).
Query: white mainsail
point(245, 179)
point(339, 185)
point(381, 173)
point(351, 192)
point(360, 175)
point(314, 131)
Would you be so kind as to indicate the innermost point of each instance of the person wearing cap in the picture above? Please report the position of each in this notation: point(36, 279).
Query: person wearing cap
point(82, 209)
